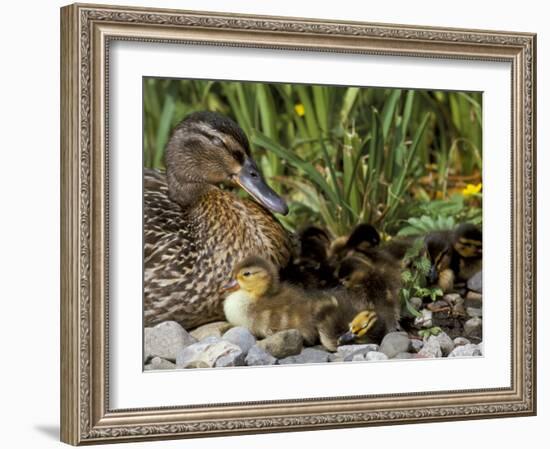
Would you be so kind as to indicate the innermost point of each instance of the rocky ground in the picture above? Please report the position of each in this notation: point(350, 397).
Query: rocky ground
point(459, 316)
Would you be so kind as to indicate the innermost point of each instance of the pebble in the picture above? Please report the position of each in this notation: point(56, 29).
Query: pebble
point(461, 341)
point(308, 355)
point(258, 356)
point(474, 312)
point(431, 349)
point(426, 320)
point(416, 345)
point(215, 329)
point(241, 337)
point(210, 352)
point(159, 363)
point(165, 340)
point(472, 327)
point(468, 350)
point(361, 353)
point(473, 299)
point(283, 344)
point(394, 343)
point(336, 357)
point(373, 356)
point(445, 343)
point(453, 298)
point(416, 302)
point(347, 350)
point(404, 356)
point(475, 283)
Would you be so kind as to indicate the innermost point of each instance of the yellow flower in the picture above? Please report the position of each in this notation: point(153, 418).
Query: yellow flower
point(299, 109)
point(471, 189)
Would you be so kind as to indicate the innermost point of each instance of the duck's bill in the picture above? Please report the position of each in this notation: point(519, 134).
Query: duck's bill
point(251, 180)
point(433, 275)
point(231, 286)
point(346, 338)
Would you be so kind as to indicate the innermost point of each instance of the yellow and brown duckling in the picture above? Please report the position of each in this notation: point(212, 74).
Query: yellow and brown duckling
point(194, 231)
point(454, 255)
point(259, 301)
point(468, 243)
point(374, 309)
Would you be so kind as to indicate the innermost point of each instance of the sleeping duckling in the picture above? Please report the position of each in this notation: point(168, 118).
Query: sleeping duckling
point(311, 268)
point(378, 311)
point(264, 305)
point(468, 243)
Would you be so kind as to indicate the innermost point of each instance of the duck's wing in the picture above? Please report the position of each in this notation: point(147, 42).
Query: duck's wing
point(162, 218)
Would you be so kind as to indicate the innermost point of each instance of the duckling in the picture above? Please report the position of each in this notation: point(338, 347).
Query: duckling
point(311, 269)
point(468, 243)
point(443, 259)
point(259, 301)
point(363, 238)
point(454, 255)
point(194, 231)
point(378, 288)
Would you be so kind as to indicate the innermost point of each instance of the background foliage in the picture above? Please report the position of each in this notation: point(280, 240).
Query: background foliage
point(406, 161)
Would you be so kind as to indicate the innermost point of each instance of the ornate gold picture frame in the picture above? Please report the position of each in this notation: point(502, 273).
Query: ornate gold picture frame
point(87, 31)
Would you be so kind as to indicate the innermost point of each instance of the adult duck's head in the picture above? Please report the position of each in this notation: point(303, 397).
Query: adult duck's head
point(208, 149)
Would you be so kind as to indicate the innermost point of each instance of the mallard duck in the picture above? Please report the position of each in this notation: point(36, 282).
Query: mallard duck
point(311, 268)
point(194, 231)
point(377, 311)
point(259, 301)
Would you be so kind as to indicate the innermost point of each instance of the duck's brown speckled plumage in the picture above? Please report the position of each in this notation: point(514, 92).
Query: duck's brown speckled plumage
point(189, 251)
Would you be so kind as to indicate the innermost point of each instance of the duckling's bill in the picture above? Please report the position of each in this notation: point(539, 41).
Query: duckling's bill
point(251, 180)
point(231, 286)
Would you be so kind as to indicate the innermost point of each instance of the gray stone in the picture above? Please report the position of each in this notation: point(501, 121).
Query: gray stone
point(348, 352)
point(431, 348)
point(166, 340)
point(416, 345)
point(426, 320)
point(404, 356)
point(157, 363)
point(283, 344)
point(445, 343)
point(473, 299)
point(453, 298)
point(373, 356)
point(466, 351)
point(394, 343)
point(461, 341)
point(210, 352)
point(474, 312)
point(215, 329)
point(336, 357)
point(241, 337)
point(475, 283)
point(308, 355)
point(416, 302)
point(472, 328)
point(258, 356)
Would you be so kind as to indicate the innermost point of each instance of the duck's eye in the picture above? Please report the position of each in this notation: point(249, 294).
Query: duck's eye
point(217, 141)
point(247, 273)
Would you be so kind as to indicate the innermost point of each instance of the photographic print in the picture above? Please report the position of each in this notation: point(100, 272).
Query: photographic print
point(252, 201)
point(298, 224)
